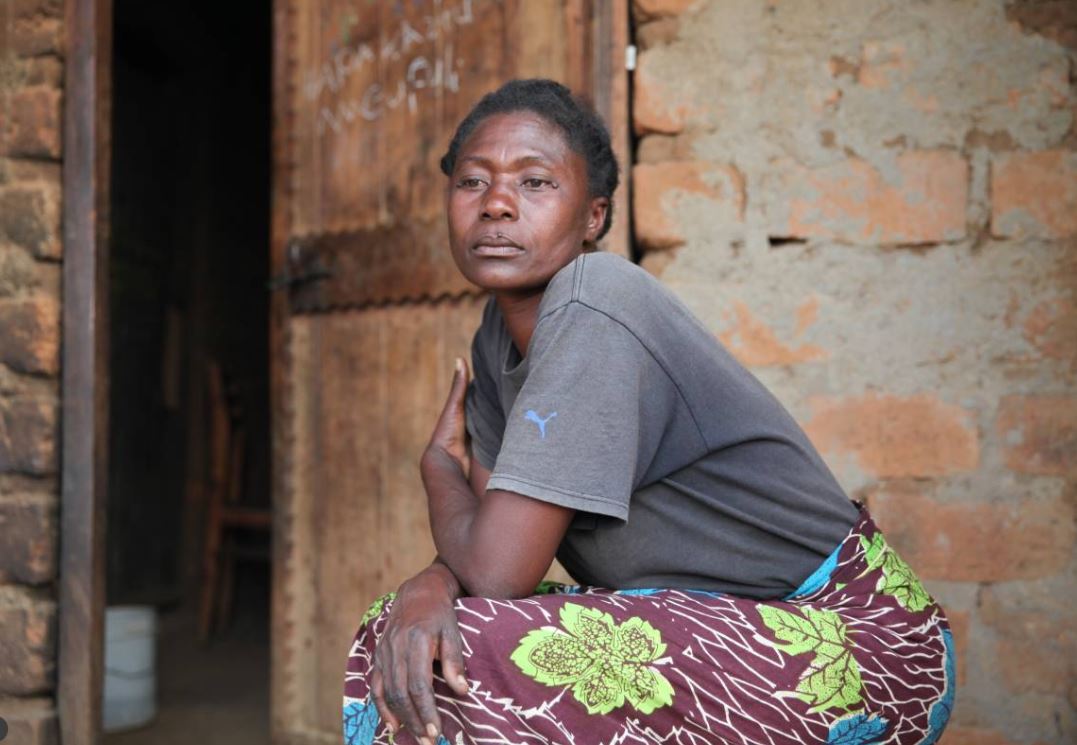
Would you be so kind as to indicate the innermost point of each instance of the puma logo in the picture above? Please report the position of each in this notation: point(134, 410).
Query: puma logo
point(533, 416)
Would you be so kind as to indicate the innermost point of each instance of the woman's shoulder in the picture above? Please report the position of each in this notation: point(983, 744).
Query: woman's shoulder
point(604, 281)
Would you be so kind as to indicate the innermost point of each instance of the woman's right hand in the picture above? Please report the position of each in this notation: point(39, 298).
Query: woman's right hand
point(421, 628)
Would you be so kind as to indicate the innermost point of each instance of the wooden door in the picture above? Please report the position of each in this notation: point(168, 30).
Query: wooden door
point(370, 310)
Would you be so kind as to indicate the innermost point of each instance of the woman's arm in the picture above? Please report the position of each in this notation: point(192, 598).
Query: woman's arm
point(518, 546)
point(499, 545)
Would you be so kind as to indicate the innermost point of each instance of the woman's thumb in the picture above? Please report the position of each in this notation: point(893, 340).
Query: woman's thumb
point(459, 380)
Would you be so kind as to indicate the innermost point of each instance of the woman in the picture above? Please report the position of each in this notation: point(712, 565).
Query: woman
point(730, 592)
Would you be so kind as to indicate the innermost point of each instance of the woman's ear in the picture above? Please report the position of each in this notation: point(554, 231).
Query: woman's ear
point(596, 218)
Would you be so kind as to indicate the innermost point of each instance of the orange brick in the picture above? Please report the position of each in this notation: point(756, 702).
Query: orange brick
point(30, 328)
point(755, 344)
point(34, 127)
point(972, 541)
point(653, 33)
point(1034, 195)
point(28, 433)
point(1036, 665)
point(893, 437)
point(30, 217)
point(28, 534)
point(27, 642)
point(1036, 647)
point(973, 736)
point(654, 105)
point(35, 8)
point(1039, 434)
point(852, 201)
point(659, 189)
point(883, 64)
point(32, 37)
point(647, 10)
point(1051, 328)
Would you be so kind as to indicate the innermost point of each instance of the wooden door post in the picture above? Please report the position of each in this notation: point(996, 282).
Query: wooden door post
point(84, 394)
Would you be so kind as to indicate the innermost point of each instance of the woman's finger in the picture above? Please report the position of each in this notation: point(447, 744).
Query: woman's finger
point(452, 415)
point(451, 654)
point(377, 692)
point(421, 687)
point(459, 381)
point(399, 699)
point(450, 432)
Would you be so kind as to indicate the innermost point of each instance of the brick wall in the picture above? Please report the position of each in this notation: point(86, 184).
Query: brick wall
point(873, 204)
point(31, 71)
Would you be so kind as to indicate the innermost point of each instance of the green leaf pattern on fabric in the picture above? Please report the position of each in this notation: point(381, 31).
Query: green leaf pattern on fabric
point(605, 663)
point(898, 579)
point(874, 552)
point(832, 679)
point(376, 608)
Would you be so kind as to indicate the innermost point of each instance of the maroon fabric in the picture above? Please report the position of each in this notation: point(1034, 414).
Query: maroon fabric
point(860, 654)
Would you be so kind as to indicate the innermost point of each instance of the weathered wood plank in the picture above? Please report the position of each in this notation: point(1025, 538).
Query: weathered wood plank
point(85, 384)
point(364, 402)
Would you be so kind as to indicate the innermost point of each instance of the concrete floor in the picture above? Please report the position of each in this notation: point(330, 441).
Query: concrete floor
point(210, 694)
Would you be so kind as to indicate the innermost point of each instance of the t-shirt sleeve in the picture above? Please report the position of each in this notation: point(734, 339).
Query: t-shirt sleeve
point(483, 414)
point(589, 418)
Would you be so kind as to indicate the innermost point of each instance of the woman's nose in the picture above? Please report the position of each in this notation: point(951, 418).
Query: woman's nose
point(500, 203)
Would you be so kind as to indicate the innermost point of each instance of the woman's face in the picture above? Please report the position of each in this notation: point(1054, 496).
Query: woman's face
point(518, 204)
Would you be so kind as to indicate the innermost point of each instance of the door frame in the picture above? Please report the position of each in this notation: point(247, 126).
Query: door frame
point(85, 374)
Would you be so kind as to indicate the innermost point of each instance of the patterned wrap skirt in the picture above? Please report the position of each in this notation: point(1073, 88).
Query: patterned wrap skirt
point(858, 654)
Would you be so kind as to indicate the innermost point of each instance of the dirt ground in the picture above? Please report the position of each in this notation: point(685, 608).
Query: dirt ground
point(209, 694)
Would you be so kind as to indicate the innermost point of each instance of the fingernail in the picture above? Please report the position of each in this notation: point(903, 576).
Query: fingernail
point(462, 682)
point(432, 731)
point(459, 365)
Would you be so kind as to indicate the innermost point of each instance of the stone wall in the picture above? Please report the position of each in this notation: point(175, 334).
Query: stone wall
point(873, 204)
point(31, 73)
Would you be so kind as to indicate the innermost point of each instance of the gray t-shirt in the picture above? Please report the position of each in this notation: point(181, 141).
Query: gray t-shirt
point(684, 470)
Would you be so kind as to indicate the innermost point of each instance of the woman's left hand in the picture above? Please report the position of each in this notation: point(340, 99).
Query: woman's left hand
point(450, 433)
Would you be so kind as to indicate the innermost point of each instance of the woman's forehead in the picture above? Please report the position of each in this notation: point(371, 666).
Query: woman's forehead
point(516, 136)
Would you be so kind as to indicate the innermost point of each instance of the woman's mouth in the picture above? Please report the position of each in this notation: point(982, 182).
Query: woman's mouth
point(496, 246)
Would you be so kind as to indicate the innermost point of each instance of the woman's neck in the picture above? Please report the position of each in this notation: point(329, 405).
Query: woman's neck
point(520, 311)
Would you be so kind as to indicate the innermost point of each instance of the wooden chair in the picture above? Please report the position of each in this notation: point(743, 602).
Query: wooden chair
point(226, 514)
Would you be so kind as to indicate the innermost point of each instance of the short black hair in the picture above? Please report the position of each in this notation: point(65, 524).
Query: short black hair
point(583, 129)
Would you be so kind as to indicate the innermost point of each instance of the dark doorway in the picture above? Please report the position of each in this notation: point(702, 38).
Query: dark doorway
point(190, 224)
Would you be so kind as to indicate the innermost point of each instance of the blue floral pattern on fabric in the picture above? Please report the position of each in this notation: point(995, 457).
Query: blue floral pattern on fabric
point(360, 722)
point(858, 729)
point(941, 709)
point(639, 591)
point(817, 579)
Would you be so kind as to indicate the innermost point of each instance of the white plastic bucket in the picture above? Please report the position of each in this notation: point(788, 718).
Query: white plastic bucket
point(130, 669)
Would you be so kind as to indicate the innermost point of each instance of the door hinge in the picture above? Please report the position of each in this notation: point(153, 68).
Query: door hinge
point(294, 273)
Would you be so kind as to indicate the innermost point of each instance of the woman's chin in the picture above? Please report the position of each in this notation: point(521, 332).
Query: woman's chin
point(501, 277)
